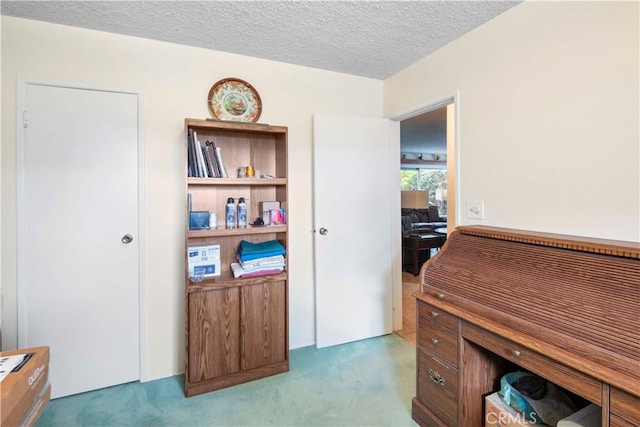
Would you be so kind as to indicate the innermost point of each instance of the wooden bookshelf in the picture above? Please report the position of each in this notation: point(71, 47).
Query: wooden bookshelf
point(236, 328)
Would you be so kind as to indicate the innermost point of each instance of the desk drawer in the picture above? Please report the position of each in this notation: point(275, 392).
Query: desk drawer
point(559, 374)
point(625, 405)
point(438, 332)
point(438, 388)
point(616, 421)
point(423, 416)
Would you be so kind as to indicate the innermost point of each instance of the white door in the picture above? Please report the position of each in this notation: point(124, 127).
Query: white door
point(356, 180)
point(77, 199)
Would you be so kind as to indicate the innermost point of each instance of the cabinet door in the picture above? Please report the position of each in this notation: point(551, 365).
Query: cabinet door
point(263, 324)
point(214, 334)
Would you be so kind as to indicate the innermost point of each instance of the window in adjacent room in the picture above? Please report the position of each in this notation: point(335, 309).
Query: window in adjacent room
point(426, 179)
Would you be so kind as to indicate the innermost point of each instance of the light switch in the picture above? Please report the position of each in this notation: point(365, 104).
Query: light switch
point(475, 209)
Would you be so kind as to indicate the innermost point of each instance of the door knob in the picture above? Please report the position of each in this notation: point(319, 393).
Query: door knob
point(323, 231)
point(127, 238)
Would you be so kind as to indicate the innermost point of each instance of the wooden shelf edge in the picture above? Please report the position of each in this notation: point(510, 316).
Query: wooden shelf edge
point(233, 126)
point(228, 281)
point(237, 181)
point(194, 234)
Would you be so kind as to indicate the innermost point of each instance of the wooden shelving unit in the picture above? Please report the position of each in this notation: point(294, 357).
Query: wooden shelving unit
point(236, 329)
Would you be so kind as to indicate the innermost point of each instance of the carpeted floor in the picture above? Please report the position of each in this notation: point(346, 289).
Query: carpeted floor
point(410, 284)
point(364, 383)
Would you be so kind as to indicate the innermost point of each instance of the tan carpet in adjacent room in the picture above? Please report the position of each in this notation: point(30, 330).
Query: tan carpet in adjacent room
point(410, 284)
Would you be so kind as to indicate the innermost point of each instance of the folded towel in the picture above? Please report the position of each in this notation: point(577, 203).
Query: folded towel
point(262, 267)
point(248, 251)
point(258, 263)
point(263, 261)
point(238, 271)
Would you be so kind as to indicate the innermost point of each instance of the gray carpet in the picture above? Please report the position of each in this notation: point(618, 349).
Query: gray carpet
point(365, 383)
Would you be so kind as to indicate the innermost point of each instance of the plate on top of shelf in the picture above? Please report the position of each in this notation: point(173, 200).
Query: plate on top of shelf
point(234, 100)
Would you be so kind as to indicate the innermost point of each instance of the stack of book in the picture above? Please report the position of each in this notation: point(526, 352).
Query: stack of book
point(204, 160)
point(259, 259)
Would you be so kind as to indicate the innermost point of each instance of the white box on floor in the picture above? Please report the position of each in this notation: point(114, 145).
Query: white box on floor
point(498, 413)
point(589, 416)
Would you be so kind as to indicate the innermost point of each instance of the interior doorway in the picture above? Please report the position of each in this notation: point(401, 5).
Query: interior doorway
point(428, 143)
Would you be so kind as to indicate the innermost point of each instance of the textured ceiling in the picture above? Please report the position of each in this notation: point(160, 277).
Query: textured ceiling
point(366, 38)
point(373, 39)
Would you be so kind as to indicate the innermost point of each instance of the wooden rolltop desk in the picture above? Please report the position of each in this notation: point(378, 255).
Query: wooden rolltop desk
point(562, 307)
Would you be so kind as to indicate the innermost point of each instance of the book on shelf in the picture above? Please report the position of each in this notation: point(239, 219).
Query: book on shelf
point(211, 168)
point(204, 159)
point(201, 168)
point(223, 170)
point(194, 165)
point(210, 148)
point(191, 172)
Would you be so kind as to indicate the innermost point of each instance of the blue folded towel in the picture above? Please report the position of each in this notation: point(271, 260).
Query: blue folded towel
point(248, 251)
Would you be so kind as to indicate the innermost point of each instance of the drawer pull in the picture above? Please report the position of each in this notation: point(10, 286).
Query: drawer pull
point(515, 353)
point(435, 314)
point(440, 295)
point(434, 341)
point(436, 377)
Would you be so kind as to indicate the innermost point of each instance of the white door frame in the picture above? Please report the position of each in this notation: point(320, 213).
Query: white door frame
point(403, 115)
point(20, 207)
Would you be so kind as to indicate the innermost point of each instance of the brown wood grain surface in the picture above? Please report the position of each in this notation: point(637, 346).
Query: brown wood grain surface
point(438, 386)
point(262, 322)
point(572, 302)
point(214, 338)
point(564, 307)
point(236, 329)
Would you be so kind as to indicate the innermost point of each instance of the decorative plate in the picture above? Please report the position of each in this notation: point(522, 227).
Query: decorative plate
point(235, 100)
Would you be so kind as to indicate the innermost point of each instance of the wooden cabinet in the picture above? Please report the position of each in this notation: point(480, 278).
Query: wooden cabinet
point(494, 301)
point(236, 328)
point(484, 357)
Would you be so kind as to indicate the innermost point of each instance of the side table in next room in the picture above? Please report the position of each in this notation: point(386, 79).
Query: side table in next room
point(416, 250)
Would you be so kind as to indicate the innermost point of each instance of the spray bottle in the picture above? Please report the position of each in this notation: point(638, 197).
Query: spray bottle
point(230, 214)
point(242, 213)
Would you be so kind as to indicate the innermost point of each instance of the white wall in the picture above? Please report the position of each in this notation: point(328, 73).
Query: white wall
point(175, 81)
point(548, 116)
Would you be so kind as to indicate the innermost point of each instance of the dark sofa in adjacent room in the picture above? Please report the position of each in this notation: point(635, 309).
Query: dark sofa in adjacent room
point(422, 219)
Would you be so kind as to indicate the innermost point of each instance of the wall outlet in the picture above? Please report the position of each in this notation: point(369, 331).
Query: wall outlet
point(475, 209)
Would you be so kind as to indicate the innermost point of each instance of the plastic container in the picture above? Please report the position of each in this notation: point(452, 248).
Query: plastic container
point(213, 221)
point(514, 399)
